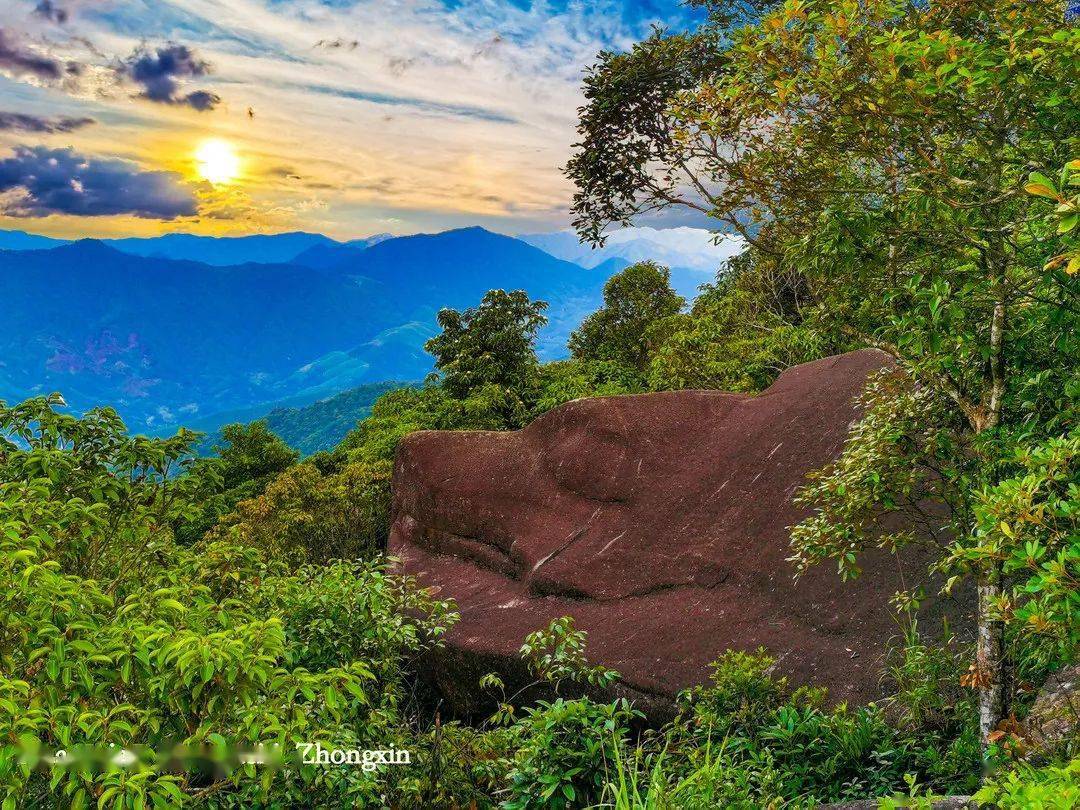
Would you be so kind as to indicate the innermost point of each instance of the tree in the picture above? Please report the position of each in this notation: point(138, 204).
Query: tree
point(755, 321)
point(249, 459)
point(491, 348)
point(882, 148)
point(252, 453)
point(635, 300)
point(305, 516)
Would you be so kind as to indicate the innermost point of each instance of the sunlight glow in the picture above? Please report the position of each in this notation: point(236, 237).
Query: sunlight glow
point(217, 161)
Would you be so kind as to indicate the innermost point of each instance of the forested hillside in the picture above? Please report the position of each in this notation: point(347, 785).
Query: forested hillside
point(168, 342)
point(320, 425)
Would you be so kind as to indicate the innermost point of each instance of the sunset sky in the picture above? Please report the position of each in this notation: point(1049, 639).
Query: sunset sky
point(348, 117)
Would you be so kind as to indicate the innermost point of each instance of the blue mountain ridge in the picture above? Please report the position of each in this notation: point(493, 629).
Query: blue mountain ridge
point(167, 341)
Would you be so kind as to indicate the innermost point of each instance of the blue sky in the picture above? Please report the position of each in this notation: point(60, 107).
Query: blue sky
point(342, 116)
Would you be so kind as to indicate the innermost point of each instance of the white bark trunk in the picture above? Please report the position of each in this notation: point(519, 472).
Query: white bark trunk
point(989, 658)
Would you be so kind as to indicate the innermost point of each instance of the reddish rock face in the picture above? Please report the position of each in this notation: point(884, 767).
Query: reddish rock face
point(659, 522)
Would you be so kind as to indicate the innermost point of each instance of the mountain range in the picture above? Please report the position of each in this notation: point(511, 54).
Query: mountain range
point(219, 251)
point(185, 329)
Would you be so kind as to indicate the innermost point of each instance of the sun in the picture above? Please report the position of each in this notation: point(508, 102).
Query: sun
point(217, 161)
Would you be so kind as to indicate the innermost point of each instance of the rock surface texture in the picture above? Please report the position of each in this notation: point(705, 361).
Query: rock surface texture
point(1055, 715)
point(659, 522)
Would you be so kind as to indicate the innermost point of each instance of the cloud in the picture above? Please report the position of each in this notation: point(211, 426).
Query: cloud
point(21, 122)
point(337, 43)
point(48, 10)
point(417, 104)
point(37, 181)
point(21, 61)
point(159, 73)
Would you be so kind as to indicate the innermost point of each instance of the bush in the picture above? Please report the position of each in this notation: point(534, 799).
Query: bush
point(745, 740)
point(1054, 787)
point(567, 753)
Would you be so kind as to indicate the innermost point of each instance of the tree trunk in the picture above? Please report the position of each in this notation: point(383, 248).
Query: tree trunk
point(989, 656)
point(990, 662)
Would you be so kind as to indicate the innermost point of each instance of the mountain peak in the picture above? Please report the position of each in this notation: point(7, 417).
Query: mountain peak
point(87, 247)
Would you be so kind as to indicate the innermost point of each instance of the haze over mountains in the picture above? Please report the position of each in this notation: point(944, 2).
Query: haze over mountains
point(259, 322)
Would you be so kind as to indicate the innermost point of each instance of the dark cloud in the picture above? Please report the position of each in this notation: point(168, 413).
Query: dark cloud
point(398, 65)
point(48, 10)
point(20, 122)
point(159, 72)
point(38, 181)
point(284, 173)
point(337, 44)
point(22, 62)
point(202, 100)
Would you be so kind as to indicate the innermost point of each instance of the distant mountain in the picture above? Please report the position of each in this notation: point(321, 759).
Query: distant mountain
point(17, 240)
point(692, 254)
point(166, 340)
point(455, 269)
point(169, 342)
point(323, 255)
point(318, 426)
point(279, 248)
point(219, 251)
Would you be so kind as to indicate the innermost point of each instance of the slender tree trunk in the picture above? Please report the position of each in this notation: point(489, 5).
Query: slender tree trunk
point(990, 661)
point(989, 656)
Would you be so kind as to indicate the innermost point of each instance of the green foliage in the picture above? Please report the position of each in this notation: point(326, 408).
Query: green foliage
point(741, 332)
point(566, 750)
point(567, 380)
point(250, 458)
point(557, 653)
point(1066, 216)
point(490, 350)
point(1053, 787)
point(308, 516)
point(635, 301)
point(901, 457)
point(214, 645)
point(740, 694)
point(253, 453)
point(746, 741)
point(1031, 521)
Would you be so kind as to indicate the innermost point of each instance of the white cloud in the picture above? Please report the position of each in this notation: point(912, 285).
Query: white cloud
point(456, 110)
point(686, 248)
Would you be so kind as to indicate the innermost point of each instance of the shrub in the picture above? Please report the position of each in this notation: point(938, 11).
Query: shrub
point(1053, 787)
point(567, 753)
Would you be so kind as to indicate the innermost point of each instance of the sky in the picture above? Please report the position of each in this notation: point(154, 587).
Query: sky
point(345, 117)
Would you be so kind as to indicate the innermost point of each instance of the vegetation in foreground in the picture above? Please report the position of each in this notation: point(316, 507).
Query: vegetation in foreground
point(906, 178)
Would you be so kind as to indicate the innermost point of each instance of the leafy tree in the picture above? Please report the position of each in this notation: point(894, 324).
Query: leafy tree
point(631, 159)
point(252, 453)
point(883, 146)
point(491, 350)
point(60, 462)
point(566, 380)
point(635, 300)
point(755, 321)
point(306, 516)
point(407, 410)
point(249, 459)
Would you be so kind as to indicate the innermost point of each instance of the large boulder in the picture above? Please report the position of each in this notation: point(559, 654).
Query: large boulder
point(660, 522)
